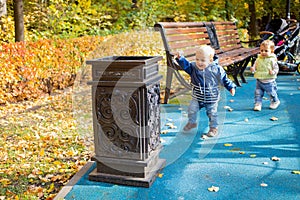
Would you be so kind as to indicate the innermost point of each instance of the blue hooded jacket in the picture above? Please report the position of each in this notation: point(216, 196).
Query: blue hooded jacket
point(205, 83)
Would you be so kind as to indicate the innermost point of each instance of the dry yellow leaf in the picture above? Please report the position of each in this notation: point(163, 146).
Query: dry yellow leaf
point(5, 182)
point(42, 152)
point(296, 172)
point(274, 118)
point(213, 189)
point(227, 145)
point(160, 175)
point(274, 158)
point(264, 185)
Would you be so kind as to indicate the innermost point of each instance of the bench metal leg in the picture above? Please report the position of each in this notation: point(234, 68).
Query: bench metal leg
point(168, 84)
point(234, 71)
point(236, 80)
point(242, 70)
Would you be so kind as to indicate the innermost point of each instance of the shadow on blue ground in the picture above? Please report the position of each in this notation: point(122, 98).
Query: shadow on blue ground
point(238, 161)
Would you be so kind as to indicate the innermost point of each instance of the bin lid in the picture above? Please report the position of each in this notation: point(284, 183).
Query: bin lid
point(126, 59)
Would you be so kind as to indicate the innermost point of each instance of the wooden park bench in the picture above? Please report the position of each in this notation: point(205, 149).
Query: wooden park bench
point(189, 36)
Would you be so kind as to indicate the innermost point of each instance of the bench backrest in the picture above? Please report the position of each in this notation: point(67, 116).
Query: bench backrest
point(227, 35)
point(183, 36)
point(189, 36)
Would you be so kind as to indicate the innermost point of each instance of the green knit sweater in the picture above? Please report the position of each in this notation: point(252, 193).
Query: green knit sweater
point(263, 65)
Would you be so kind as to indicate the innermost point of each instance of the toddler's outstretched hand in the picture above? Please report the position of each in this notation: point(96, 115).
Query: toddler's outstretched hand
point(271, 72)
point(178, 54)
point(232, 91)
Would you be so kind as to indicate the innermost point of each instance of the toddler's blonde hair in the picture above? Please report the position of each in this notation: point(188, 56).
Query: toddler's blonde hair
point(206, 50)
point(268, 44)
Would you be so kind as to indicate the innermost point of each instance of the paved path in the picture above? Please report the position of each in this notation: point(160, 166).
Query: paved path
point(238, 161)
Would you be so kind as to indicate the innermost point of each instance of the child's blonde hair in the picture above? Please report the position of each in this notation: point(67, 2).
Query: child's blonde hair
point(206, 50)
point(269, 44)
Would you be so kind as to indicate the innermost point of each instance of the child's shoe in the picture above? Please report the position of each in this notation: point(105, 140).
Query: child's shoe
point(274, 105)
point(213, 132)
point(189, 126)
point(257, 107)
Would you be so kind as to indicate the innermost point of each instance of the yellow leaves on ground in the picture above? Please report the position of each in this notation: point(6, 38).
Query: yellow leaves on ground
point(40, 148)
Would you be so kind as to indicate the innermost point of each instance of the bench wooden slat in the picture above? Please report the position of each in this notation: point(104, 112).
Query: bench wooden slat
point(184, 45)
point(186, 37)
point(167, 25)
point(186, 30)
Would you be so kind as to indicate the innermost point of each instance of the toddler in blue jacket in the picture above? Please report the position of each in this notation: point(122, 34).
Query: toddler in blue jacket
point(206, 76)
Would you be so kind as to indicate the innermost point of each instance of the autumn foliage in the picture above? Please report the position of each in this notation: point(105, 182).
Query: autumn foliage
point(29, 69)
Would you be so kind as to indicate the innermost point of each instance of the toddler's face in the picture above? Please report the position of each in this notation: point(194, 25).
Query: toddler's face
point(265, 51)
point(202, 60)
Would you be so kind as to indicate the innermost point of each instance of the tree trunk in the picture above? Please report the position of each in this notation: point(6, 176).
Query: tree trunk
point(227, 17)
point(19, 20)
point(3, 8)
point(253, 30)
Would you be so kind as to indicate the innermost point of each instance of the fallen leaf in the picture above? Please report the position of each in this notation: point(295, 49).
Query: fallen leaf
point(253, 156)
point(171, 125)
point(235, 149)
point(264, 185)
point(228, 108)
point(274, 158)
point(42, 152)
point(274, 118)
point(160, 175)
point(242, 152)
point(204, 136)
point(213, 189)
point(169, 119)
point(227, 145)
point(5, 182)
point(296, 172)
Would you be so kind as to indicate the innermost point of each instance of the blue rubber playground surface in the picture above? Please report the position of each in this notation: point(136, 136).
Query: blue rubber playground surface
point(238, 162)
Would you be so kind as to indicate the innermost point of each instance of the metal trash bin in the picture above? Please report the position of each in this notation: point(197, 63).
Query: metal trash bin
point(126, 119)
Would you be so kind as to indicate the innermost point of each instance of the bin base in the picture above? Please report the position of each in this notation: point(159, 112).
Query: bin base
point(129, 180)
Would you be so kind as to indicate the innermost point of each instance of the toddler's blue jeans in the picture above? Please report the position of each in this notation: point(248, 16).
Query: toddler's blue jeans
point(211, 112)
point(269, 88)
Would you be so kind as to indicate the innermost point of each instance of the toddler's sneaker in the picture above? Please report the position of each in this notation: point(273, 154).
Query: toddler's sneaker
point(274, 105)
point(189, 126)
point(213, 132)
point(257, 107)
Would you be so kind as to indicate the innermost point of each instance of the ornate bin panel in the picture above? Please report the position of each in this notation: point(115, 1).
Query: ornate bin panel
point(126, 118)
